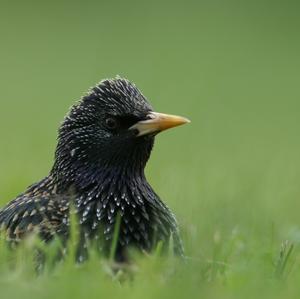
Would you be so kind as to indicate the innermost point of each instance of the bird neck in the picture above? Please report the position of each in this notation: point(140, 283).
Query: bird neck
point(82, 175)
point(83, 167)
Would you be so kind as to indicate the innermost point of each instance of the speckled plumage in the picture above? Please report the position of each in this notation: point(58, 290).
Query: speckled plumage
point(100, 171)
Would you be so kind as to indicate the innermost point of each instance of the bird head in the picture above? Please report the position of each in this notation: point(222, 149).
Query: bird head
point(112, 128)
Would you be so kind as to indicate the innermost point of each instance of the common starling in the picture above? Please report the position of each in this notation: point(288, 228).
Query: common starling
point(103, 146)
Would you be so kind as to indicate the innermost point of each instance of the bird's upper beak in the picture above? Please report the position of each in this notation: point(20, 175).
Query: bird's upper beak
point(157, 122)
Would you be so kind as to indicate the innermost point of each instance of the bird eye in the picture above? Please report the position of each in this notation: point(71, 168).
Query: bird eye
point(111, 123)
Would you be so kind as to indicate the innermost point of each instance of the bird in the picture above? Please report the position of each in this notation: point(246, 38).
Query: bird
point(104, 143)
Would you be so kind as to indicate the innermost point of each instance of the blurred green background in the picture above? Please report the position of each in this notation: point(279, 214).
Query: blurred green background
point(232, 67)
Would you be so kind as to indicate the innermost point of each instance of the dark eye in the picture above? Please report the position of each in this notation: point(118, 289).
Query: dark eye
point(111, 123)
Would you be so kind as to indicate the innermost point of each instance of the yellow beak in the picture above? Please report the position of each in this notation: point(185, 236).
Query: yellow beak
point(158, 122)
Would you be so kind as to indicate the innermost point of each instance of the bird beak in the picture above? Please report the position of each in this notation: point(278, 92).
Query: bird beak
point(157, 122)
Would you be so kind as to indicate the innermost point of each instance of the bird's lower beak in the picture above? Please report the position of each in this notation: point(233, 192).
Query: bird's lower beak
point(157, 122)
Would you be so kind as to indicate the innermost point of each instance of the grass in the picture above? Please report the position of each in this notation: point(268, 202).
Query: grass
point(231, 176)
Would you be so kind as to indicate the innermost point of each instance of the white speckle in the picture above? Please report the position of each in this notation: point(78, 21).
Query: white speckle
point(107, 230)
point(86, 211)
point(15, 217)
point(95, 224)
point(72, 152)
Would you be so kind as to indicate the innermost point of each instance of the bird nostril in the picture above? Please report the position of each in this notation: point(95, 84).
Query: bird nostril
point(151, 115)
